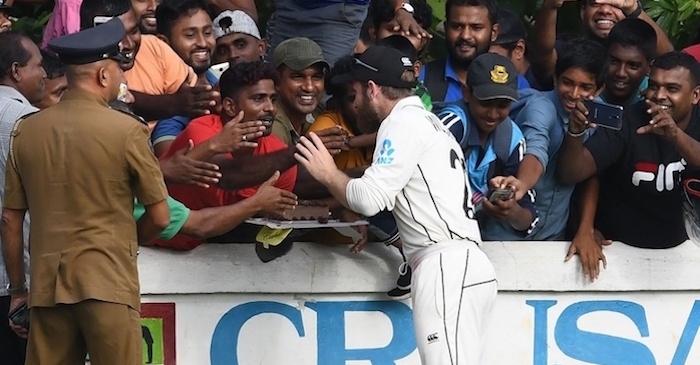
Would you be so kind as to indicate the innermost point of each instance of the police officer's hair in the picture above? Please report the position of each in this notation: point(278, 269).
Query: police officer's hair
point(242, 75)
point(169, 11)
point(671, 60)
point(52, 65)
point(89, 9)
point(635, 33)
point(383, 12)
point(11, 51)
point(491, 5)
point(585, 54)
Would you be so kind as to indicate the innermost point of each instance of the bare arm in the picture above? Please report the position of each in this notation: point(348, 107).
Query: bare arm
point(576, 162)
point(663, 125)
point(13, 245)
point(663, 44)
point(245, 171)
point(154, 220)
point(543, 55)
point(214, 221)
point(587, 244)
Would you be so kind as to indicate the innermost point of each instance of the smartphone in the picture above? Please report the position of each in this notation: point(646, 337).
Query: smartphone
point(604, 114)
point(99, 20)
point(219, 69)
point(501, 194)
point(20, 316)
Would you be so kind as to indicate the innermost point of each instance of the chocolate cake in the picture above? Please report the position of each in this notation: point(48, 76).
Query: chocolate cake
point(306, 210)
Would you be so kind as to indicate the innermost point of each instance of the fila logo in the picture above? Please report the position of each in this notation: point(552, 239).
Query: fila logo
point(433, 337)
point(663, 176)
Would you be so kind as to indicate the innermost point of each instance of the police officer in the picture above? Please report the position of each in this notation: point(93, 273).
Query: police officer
point(76, 167)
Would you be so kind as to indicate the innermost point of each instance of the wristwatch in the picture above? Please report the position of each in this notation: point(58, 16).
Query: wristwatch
point(635, 14)
point(14, 291)
point(405, 6)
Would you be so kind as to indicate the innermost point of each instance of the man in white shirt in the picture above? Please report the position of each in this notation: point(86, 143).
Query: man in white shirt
point(418, 173)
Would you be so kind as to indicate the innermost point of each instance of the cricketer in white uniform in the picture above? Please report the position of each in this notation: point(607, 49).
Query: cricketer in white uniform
point(418, 173)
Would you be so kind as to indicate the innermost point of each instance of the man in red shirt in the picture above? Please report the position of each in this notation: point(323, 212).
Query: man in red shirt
point(247, 88)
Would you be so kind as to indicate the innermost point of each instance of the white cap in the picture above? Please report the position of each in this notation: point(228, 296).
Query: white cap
point(234, 21)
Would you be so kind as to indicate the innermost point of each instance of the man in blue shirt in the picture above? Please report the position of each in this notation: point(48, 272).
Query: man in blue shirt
point(543, 118)
point(470, 27)
point(493, 145)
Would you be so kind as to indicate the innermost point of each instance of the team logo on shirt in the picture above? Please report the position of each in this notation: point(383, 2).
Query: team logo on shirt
point(499, 74)
point(385, 153)
point(664, 176)
point(433, 337)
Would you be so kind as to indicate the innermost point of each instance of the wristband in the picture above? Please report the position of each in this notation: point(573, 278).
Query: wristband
point(635, 14)
point(575, 135)
point(15, 291)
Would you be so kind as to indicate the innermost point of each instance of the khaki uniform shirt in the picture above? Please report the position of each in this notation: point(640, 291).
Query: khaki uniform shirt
point(77, 167)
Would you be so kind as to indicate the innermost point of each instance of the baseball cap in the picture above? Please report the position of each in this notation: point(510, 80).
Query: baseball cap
point(512, 27)
point(236, 21)
point(492, 76)
point(92, 44)
point(298, 53)
point(381, 64)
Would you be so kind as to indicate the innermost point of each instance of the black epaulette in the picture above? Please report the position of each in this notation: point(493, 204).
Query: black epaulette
point(137, 117)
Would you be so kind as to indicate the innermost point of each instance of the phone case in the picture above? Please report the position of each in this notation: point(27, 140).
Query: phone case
point(604, 114)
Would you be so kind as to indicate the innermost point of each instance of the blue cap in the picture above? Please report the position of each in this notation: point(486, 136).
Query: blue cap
point(92, 44)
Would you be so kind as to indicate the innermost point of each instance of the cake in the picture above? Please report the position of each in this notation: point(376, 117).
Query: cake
point(306, 210)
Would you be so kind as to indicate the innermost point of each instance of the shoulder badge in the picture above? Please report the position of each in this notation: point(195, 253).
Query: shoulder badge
point(130, 114)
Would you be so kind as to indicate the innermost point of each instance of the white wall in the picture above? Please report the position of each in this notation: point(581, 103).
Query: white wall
point(321, 304)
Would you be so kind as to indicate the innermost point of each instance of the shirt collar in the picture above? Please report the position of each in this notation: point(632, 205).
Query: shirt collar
point(450, 71)
point(12, 93)
point(561, 113)
point(412, 100)
point(77, 94)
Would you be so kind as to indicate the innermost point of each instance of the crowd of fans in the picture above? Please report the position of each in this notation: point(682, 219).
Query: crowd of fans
point(226, 103)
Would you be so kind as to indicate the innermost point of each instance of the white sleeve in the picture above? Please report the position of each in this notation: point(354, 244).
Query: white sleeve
point(396, 157)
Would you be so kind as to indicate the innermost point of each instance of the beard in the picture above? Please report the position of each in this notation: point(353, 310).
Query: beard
point(367, 118)
point(460, 61)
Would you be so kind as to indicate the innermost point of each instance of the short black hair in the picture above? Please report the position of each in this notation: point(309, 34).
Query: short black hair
point(491, 5)
point(52, 65)
point(382, 11)
point(365, 37)
point(245, 74)
point(636, 33)
point(401, 44)
point(11, 51)
point(169, 11)
point(89, 9)
point(585, 54)
point(342, 66)
point(671, 60)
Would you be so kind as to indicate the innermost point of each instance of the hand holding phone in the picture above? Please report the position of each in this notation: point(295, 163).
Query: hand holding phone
point(20, 316)
point(501, 194)
point(604, 114)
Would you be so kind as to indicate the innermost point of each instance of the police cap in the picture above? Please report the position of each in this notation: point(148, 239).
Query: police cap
point(92, 44)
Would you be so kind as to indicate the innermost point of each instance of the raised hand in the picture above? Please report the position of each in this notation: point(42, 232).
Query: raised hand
point(274, 200)
point(181, 169)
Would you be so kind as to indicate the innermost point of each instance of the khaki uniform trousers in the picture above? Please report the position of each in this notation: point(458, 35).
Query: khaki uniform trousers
point(64, 334)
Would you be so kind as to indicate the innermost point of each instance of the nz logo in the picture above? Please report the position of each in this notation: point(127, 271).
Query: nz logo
point(385, 153)
point(433, 337)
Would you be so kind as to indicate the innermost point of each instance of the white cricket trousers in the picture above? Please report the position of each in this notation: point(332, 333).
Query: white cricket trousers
point(454, 290)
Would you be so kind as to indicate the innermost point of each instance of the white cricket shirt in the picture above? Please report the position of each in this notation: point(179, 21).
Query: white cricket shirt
point(418, 173)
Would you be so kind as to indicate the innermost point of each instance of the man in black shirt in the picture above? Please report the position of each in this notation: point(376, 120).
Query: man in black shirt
point(640, 165)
